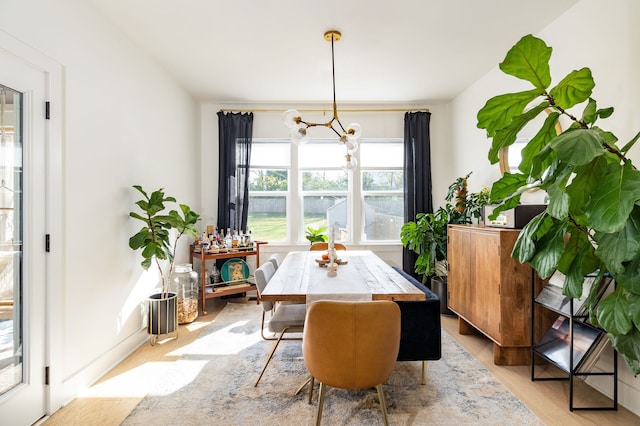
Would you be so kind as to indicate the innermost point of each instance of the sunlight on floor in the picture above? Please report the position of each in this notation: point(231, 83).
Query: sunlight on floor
point(153, 378)
point(227, 341)
point(162, 378)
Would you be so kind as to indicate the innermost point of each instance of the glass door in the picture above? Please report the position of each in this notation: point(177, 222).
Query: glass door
point(11, 333)
point(23, 263)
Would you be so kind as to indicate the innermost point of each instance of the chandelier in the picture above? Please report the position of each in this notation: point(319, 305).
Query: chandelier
point(349, 137)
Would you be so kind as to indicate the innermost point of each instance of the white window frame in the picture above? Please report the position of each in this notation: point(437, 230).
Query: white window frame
point(295, 195)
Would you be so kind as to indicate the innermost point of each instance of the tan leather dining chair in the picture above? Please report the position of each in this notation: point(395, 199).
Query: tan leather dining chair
point(351, 345)
point(325, 246)
point(284, 319)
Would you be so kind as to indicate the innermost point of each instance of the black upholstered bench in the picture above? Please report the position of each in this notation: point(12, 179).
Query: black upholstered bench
point(420, 332)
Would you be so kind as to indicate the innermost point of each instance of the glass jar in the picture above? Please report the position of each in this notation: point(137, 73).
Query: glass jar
point(184, 282)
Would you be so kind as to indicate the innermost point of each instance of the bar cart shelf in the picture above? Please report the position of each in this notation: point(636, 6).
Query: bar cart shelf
point(210, 291)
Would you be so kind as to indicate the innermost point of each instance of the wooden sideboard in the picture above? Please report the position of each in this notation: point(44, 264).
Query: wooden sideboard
point(490, 291)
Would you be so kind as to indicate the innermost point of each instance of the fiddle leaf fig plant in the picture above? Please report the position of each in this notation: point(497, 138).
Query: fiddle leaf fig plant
point(592, 222)
point(154, 238)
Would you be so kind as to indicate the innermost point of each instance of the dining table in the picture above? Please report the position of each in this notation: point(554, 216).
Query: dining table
point(304, 276)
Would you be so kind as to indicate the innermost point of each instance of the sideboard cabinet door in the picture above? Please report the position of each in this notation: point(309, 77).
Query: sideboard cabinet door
point(489, 290)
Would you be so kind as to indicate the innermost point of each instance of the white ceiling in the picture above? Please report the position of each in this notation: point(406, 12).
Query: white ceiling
point(392, 51)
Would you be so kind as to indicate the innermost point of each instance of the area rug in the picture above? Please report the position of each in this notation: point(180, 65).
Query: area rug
point(212, 384)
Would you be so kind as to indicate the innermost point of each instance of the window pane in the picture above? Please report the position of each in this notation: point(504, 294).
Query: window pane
point(270, 154)
point(268, 218)
point(389, 180)
point(381, 154)
point(324, 210)
point(325, 181)
point(268, 180)
point(321, 154)
point(383, 216)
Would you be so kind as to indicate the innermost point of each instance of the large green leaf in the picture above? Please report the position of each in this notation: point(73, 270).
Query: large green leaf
point(586, 179)
point(528, 59)
point(558, 202)
point(613, 312)
point(549, 248)
point(500, 110)
point(542, 161)
point(613, 199)
point(634, 303)
point(555, 184)
point(573, 284)
point(578, 258)
point(525, 247)
point(575, 88)
point(140, 239)
point(546, 133)
point(618, 247)
point(629, 279)
point(589, 115)
point(508, 135)
point(629, 347)
point(507, 185)
point(578, 147)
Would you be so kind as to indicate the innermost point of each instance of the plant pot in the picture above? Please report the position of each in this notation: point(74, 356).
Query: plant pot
point(439, 287)
point(162, 315)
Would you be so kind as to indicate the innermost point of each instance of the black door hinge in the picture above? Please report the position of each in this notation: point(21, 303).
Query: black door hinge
point(46, 375)
point(47, 243)
point(47, 110)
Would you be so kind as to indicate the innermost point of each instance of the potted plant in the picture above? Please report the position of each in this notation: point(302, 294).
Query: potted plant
point(316, 235)
point(593, 188)
point(427, 235)
point(154, 239)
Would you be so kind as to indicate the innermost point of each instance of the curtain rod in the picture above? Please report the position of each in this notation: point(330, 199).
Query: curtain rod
point(330, 110)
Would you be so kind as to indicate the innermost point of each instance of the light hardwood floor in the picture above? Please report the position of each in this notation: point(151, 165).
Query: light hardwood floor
point(113, 397)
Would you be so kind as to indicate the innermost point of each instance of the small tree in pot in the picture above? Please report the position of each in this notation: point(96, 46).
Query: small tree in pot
point(154, 239)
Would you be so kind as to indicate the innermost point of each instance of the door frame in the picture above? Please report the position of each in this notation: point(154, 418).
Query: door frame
point(54, 220)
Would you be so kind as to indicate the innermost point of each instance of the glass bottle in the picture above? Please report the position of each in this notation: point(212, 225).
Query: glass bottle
point(235, 242)
point(215, 275)
point(205, 242)
point(228, 242)
point(184, 282)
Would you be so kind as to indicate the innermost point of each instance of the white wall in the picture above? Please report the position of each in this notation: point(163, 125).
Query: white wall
point(603, 37)
point(125, 122)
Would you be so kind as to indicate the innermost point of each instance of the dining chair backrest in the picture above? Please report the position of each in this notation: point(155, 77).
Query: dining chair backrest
point(351, 345)
point(275, 259)
point(263, 275)
point(325, 246)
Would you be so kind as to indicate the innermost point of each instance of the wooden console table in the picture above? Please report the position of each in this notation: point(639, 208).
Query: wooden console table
point(209, 291)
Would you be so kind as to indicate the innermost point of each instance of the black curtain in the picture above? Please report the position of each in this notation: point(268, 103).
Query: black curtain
point(417, 178)
point(234, 131)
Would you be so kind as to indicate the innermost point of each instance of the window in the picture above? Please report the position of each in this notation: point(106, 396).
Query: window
point(293, 187)
point(269, 190)
point(382, 189)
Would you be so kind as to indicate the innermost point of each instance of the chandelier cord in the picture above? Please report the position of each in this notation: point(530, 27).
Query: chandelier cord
point(333, 76)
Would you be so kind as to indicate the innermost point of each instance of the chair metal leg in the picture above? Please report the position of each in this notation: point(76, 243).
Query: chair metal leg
point(320, 404)
point(383, 404)
point(307, 380)
point(275, 345)
point(311, 389)
point(424, 372)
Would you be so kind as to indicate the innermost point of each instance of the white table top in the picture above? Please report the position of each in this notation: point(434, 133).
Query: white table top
point(364, 277)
